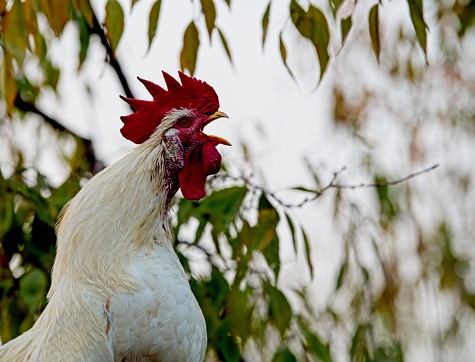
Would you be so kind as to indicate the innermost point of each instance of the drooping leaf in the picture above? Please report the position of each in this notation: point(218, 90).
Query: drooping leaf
point(33, 288)
point(420, 26)
point(265, 23)
point(317, 347)
point(280, 311)
point(225, 44)
point(374, 30)
point(9, 88)
point(292, 231)
point(153, 21)
point(345, 29)
point(83, 9)
point(308, 254)
point(284, 355)
point(209, 11)
point(15, 35)
point(227, 346)
point(114, 23)
point(283, 54)
point(57, 13)
point(341, 275)
point(313, 26)
point(84, 38)
point(189, 52)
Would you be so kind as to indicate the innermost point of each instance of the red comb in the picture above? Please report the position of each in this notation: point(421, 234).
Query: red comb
point(191, 94)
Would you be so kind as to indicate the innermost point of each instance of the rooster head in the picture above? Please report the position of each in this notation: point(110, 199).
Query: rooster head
point(196, 105)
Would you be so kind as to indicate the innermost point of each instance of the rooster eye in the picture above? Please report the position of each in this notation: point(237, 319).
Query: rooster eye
point(184, 122)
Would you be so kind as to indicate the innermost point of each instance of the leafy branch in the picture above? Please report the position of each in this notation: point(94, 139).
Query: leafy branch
point(317, 193)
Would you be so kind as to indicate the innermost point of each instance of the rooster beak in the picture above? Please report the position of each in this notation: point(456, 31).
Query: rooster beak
point(217, 139)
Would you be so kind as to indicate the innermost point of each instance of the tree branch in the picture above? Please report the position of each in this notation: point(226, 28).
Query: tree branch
point(98, 30)
point(89, 153)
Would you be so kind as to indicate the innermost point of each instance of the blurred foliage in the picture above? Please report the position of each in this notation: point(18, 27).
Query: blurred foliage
point(372, 310)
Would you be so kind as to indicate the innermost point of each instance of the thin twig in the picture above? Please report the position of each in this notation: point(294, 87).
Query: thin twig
point(331, 185)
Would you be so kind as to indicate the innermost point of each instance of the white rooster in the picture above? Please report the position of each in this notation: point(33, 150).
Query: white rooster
point(119, 292)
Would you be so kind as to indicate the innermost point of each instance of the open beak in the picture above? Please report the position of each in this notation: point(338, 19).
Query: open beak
point(217, 139)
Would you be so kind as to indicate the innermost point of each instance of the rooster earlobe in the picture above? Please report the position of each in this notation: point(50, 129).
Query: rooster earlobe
point(172, 83)
point(154, 89)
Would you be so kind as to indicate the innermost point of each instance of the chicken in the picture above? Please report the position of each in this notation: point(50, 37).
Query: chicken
point(118, 291)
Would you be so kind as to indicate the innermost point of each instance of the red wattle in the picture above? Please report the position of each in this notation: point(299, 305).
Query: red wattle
point(200, 162)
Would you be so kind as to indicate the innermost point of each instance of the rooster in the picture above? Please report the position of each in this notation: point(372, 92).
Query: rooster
point(118, 290)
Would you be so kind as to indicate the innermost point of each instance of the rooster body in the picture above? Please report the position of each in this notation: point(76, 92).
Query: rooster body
point(119, 292)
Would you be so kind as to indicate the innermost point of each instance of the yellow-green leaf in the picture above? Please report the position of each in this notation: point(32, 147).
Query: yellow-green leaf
point(114, 23)
point(15, 35)
point(283, 54)
point(189, 52)
point(209, 11)
point(57, 13)
point(153, 21)
point(86, 11)
point(9, 88)
point(308, 253)
point(225, 44)
point(420, 26)
point(265, 23)
point(374, 30)
point(314, 26)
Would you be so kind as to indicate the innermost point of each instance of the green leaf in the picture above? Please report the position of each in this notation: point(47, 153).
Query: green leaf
point(283, 55)
point(345, 29)
point(209, 11)
point(284, 355)
point(133, 3)
point(308, 252)
point(420, 26)
point(313, 26)
point(280, 311)
point(317, 347)
point(33, 289)
point(292, 231)
point(374, 30)
point(84, 38)
point(238, 312)
point(225, 44)
point(341, 275)
point(153, 21)
point(189, 52)
point(265, 23)
point(114, 23)
point(227, 346)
